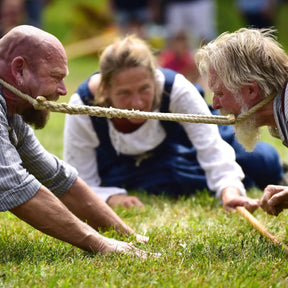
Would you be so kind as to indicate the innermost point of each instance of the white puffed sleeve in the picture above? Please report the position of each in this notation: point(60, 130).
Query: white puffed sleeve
point(80, 142)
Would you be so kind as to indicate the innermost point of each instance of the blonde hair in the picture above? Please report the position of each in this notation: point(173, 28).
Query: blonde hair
point(245, 56)
point(125, 53)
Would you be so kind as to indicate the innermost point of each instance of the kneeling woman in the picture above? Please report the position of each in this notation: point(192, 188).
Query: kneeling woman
point(161, 157)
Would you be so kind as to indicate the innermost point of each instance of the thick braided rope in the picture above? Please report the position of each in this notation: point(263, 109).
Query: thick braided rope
point(40, 103)
point(124, 113)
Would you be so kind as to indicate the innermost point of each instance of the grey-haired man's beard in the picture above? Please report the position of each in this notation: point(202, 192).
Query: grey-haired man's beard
point(36, 118)
point(247, 133)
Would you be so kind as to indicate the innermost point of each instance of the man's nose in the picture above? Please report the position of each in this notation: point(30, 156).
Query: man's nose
point(216, 103)
point(61, 89)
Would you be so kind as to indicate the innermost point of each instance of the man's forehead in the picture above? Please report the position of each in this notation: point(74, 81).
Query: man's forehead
point(54, 68)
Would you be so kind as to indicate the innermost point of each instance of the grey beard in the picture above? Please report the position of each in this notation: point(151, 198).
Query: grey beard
point(247, 133)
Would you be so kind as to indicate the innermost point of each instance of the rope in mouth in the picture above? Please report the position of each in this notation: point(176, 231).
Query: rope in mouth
point(40, 103)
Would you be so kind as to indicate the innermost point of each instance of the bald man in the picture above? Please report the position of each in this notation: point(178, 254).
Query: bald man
point(36, 186)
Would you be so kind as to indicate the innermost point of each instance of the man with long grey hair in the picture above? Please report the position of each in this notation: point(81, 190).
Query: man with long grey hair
point(246, 68)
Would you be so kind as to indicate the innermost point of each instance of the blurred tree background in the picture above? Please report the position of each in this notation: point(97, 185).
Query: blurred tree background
point(75, 20)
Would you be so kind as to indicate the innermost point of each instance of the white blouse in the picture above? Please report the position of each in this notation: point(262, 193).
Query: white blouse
point(215, 156)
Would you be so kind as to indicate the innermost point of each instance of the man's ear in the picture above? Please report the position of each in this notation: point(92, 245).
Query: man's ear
point(254, 91)
point(18, 66)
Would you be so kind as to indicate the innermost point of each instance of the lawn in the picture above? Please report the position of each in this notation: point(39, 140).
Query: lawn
point(201, 244)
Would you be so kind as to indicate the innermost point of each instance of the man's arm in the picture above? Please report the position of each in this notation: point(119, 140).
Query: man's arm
point(89, 207)
point(46, 213)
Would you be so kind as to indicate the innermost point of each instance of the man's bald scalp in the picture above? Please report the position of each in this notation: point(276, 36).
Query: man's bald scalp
point(26, 41)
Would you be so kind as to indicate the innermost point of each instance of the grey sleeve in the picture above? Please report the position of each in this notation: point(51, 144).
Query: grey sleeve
point(25, 165)
point(48, 169)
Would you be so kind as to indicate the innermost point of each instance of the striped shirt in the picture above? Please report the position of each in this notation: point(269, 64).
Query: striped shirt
point(25, 165)
point(280, 111)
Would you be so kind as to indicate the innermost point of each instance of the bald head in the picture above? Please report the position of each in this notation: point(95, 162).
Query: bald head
point(31, 43)
point(34, 62)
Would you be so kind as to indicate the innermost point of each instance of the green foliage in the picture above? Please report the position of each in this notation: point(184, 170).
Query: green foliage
point(74, 20)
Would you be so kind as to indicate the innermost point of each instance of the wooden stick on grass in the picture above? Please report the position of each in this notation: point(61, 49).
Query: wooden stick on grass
point(262, 229)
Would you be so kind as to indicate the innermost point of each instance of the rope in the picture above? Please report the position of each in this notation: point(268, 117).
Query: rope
point(256, 107)
point(40, 103)
point(123, 113)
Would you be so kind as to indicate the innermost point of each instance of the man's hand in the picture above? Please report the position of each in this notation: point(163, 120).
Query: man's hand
point(275, 199)
point(109, 245)
point(231, 198)
point(124, 200)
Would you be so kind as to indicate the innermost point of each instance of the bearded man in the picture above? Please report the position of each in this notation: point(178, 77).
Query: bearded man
point(36, 186)
point(246, 68)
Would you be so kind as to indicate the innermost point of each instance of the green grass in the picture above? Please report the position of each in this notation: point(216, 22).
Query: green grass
point(201, 244)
